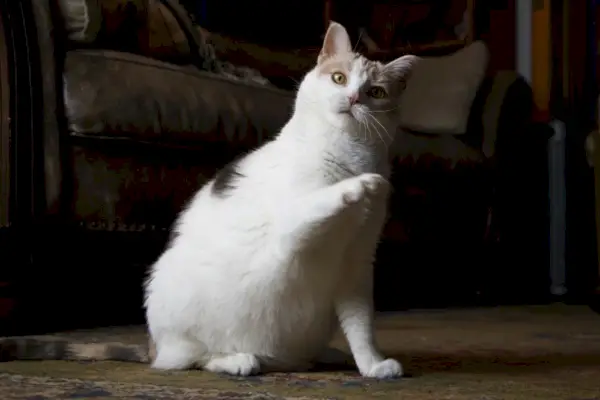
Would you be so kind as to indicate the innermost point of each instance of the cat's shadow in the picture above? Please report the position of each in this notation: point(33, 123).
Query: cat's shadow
point(502, 362)
point(345, 367)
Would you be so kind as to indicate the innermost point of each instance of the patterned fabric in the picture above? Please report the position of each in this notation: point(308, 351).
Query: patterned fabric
point(545, 353)
point(160, 29)
point(206, 51)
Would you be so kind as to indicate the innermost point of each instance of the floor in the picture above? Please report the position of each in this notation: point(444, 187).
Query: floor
point(538, 352)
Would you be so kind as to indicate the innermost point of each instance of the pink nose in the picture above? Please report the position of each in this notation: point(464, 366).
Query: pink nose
point(353, 99)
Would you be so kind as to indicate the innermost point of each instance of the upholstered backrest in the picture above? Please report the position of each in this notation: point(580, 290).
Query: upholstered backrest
point(160, 29)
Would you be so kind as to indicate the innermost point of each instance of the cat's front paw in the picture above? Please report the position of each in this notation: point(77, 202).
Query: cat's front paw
point(365, 184)
point(385, 369)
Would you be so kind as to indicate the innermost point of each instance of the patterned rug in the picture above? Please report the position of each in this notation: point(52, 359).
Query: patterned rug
point(544, 352)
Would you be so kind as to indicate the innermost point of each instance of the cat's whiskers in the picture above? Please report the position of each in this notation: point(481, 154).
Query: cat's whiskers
point(361, 116)
point(387, 110)
point(360, 33)
point(369, 126)
point(360, 127)
point(365, 130)
point(382, 127)
point(376, 131)
point(362, 123)
point(368, 114)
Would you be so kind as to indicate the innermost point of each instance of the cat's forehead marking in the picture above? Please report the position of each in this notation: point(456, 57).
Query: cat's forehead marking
point(373, 69)
point(337, 64)
point(352, 62)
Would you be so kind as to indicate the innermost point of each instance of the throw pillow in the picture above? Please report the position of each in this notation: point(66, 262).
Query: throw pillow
point(438, 95)
point(82, 18)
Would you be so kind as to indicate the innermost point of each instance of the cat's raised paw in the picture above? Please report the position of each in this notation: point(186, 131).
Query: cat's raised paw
point(365, 184)
point(385, 369)
point(374, 184)
point(240, 364)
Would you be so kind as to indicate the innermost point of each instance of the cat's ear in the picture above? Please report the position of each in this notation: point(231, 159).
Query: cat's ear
point(400, 69)
point(337, 41)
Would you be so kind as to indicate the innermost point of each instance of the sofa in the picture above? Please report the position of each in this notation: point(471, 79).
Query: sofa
point(115, 111)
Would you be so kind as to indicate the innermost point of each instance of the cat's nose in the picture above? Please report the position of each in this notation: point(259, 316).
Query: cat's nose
point(353, 99)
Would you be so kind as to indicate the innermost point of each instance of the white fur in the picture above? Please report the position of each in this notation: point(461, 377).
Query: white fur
point(260, 278)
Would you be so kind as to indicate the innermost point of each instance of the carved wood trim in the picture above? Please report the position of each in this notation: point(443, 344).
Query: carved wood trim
point(5, 180)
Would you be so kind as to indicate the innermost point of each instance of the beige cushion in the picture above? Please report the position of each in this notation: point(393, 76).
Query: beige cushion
point(83, 19)
point(439, 94)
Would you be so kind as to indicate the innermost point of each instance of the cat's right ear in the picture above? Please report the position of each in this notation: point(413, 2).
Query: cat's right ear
point(337, 41)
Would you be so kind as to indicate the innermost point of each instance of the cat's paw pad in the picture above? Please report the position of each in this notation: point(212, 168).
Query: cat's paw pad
point(365, 184)
point(385, 369)
point(235, 364)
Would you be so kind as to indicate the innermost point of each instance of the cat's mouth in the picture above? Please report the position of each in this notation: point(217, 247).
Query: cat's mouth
point(347, 111)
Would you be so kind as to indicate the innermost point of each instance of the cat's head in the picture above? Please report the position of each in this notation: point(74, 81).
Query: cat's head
point(353, 93)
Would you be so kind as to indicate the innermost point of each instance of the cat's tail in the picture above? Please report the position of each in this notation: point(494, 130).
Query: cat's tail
point(54, 348)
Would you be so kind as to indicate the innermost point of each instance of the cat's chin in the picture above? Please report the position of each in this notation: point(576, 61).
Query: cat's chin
point(347, 114)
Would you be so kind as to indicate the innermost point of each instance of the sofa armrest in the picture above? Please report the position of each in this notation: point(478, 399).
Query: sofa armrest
point(507, 109)
point(30, 162)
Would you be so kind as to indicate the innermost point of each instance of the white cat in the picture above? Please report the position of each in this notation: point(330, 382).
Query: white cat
point(276, 252)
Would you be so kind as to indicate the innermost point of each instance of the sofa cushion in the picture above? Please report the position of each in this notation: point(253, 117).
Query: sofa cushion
point(122, 95)
point(440, 92)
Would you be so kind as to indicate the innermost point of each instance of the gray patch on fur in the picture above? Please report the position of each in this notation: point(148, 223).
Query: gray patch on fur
point(226, 179)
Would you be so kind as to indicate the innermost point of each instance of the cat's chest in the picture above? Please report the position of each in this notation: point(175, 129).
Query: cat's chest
point(337, 168)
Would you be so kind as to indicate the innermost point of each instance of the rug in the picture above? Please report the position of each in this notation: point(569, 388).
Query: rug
point(540, 352)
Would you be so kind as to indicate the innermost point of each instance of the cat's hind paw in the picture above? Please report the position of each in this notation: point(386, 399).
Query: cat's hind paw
point(174, 354)
point(386, 369)
point(240, 364)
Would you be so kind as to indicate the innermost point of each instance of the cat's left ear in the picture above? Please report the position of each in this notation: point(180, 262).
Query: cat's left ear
point(401, 68)
point(337, 41)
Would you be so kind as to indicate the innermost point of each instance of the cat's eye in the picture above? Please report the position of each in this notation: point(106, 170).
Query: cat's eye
point(377, 92)
point(338, 78)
